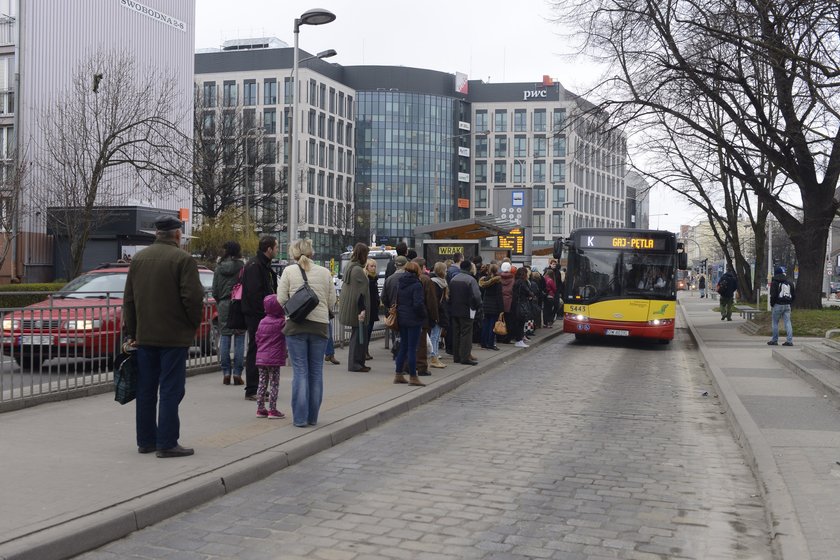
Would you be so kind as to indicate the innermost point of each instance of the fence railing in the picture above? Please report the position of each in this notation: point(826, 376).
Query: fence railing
point(65, 348)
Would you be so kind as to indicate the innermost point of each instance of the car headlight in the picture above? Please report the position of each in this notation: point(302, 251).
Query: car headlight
point(82, 324)
point(11, 324)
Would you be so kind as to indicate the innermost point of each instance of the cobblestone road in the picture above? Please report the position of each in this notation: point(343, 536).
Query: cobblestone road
point(572, 451)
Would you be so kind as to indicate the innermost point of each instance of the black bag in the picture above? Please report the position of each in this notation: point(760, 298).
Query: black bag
point(125, 377)
point(236, 318)
point(302, 302)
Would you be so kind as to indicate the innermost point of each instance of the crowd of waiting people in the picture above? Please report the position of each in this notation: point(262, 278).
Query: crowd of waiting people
point(443, 308)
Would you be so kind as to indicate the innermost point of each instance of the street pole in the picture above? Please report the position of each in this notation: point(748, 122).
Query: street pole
point(769, 256)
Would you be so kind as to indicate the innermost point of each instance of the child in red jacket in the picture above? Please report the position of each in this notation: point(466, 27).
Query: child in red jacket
point(271, 354)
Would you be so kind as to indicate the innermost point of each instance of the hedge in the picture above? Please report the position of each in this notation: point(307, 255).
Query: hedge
point(21, 295)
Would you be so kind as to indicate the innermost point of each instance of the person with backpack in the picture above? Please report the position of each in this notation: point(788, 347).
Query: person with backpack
point(726, 288)
point(782, 294)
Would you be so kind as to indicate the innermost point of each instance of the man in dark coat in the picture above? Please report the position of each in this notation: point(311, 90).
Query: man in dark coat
point(258, 281)
point(389, 295)
point(430, 295)
point(726, 288)
point(782, 294)
point(465, 299)
point(402, 249)
point(162, 308)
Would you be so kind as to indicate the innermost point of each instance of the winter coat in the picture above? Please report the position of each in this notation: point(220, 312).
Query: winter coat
point(411, 305)
point(430, 298)
point(727, 285)
point(776, 290)
point(271, 342)
point(507, 289)
point(320, 280)
point(389, 289)
point(224, 278)
point(164, 298)
point(521, 304)
point(258, 280)
point(355, 295)
point(452, 272)
point(373, 290)
point(442, 299)
point(493, 302)
point(550, 288)
point(702, 283)
point(464, 295)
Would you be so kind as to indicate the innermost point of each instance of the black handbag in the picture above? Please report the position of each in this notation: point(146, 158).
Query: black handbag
point(302, 302)
point(125, 377)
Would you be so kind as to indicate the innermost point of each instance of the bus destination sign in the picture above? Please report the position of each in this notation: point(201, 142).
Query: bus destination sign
point(626, 242)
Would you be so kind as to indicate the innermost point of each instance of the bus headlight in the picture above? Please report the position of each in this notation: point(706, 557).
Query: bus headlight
point(580, 318)
point(660, 322)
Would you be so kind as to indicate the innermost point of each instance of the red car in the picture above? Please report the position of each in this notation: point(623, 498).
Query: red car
point(82, 320)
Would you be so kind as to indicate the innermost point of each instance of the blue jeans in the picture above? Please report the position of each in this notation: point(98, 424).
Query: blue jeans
point(163, 369)
point(409, 337)
point(782, 311)
point(434, 334)
point(238, 353)
point(307, 356)
point(488, 337)
point(330, 349)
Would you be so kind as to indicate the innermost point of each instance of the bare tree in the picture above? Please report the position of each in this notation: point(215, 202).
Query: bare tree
point(235, 153)
point(116, 125)
point(771, 68)
point(11, 205)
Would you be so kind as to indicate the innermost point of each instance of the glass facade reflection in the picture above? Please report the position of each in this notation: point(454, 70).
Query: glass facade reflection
point(407, 163)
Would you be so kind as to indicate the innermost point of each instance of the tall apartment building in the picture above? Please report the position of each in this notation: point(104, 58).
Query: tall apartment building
point(41, 47)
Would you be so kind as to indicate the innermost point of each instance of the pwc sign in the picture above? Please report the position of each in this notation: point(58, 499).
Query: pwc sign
point(534, 94)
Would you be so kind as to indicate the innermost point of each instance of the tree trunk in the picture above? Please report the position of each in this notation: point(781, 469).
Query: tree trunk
point(810, 254)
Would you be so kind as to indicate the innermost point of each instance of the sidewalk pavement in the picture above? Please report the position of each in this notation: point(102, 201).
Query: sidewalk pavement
point(72, 479)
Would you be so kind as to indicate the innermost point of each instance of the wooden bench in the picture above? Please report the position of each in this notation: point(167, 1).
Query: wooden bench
point(747, 312)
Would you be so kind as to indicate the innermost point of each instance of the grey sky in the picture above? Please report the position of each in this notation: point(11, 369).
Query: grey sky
point(495, 40)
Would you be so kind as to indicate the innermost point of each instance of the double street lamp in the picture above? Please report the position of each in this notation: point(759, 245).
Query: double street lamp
point(315, 16)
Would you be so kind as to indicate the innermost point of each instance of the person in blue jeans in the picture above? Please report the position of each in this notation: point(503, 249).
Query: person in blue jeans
point(411, 315)
point(306, 339)
point(227, 274)
point(782, 294)
point(329, 352)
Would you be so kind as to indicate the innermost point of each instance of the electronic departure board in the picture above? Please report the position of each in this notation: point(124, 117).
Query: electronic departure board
point(625, 242)
point(514, 242)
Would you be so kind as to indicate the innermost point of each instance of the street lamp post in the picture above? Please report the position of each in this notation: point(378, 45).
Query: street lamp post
point(658, 217)
point(315, 16)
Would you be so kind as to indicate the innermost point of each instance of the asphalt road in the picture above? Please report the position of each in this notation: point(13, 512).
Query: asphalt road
point(604, 450)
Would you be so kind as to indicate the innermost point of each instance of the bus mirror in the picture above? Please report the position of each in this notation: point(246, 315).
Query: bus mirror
point(558, 248)
point(682, 261)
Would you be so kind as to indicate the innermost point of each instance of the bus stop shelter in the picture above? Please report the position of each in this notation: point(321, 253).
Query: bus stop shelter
point(440, 241)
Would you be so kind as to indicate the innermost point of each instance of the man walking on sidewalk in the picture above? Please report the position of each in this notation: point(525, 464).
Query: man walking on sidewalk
point(782, 294)
point(162, 308)
point(726, 287)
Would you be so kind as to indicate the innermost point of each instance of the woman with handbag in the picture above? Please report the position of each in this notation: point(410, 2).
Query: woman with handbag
point(354, 306)
point(225, 277)
point(306, 338)
point(442, 298)
point(491, 284)
point(520, 307)
point(411, 315)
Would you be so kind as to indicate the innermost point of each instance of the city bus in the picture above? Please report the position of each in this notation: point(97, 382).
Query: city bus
point(621, 283)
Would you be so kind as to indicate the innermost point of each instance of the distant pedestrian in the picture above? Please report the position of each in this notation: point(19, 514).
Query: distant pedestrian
point(353, 307)
point(389, 295)
point(492, 305)
point(701, 285)
point(465, 299)
point(549, 302)
point(411, 314)
point(508, 280)
point(307, 339)
point(271, 356)
point(373, 312)
point(225, 277)
point(258, 280)
point(442, 299)
point(521, 307)
point(162, 309)
point(432, 316)
point(782, 295)
point(726, 288)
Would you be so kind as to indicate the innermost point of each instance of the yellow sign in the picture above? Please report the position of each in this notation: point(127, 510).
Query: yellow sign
point(514, 242)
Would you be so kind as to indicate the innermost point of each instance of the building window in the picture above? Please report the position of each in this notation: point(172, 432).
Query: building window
point(270, 150)
point(539, 120)
point(557, 223)
point(558, 172)
point(209, 97)
point(313, 93)
point(270, 91)
point(539, 172)
point(230, 97)
point(270, 121)
point(321, 184)
point(559, 120)
point(349, 135)
point(500, 149)
point(322, 156)
point(250, 93)
point(501, 121)
point(268, 179)
point(481, 147)
point(558, 197)
point(332, 100)
point(287, 91)
point(209, 124)
point(341, 104)
point(310, 216)
point(331, 158)
point(313, 153)
point(349, 108)
point(539, 146)
point(481, 197)
point(520, 120)
point(310, 182)
point(538, 223)
point(520, 146)
point(340, 158)
point(330, 185)
point(520, 171)
point(482, 123)
point(322, 97)
point(539, 197)
point(481, 172)
point(249, 119)
point(559, 147)
point(499, 172)
point(322, 125)
point(312, 121)
point(331, 128)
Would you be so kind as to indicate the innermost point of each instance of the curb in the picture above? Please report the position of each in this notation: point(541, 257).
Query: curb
point(786, 535)
point(111, 523)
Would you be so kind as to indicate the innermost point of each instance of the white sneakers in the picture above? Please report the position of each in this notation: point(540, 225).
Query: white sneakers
point(521, 344)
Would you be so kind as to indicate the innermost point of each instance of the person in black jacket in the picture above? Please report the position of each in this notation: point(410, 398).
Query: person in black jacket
point(492, 305)
point(465, 299)
point(520, 306)
point(402, 249)
point(258, 281)
point(782, 294)
point(373, 288)
point(411, 314)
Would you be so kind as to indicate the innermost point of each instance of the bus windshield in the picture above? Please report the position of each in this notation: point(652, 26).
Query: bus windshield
point(603, 274)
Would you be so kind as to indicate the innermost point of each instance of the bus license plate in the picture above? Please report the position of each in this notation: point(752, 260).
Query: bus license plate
point(614, 332)
point(28, 340)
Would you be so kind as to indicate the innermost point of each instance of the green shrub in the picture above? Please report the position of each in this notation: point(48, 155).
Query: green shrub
point(21, 295)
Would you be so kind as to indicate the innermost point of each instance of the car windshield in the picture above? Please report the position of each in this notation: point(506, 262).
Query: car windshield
point(95, 286)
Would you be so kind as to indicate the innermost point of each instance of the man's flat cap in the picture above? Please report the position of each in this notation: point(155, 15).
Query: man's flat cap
point(400, 261)
point(167, 223)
